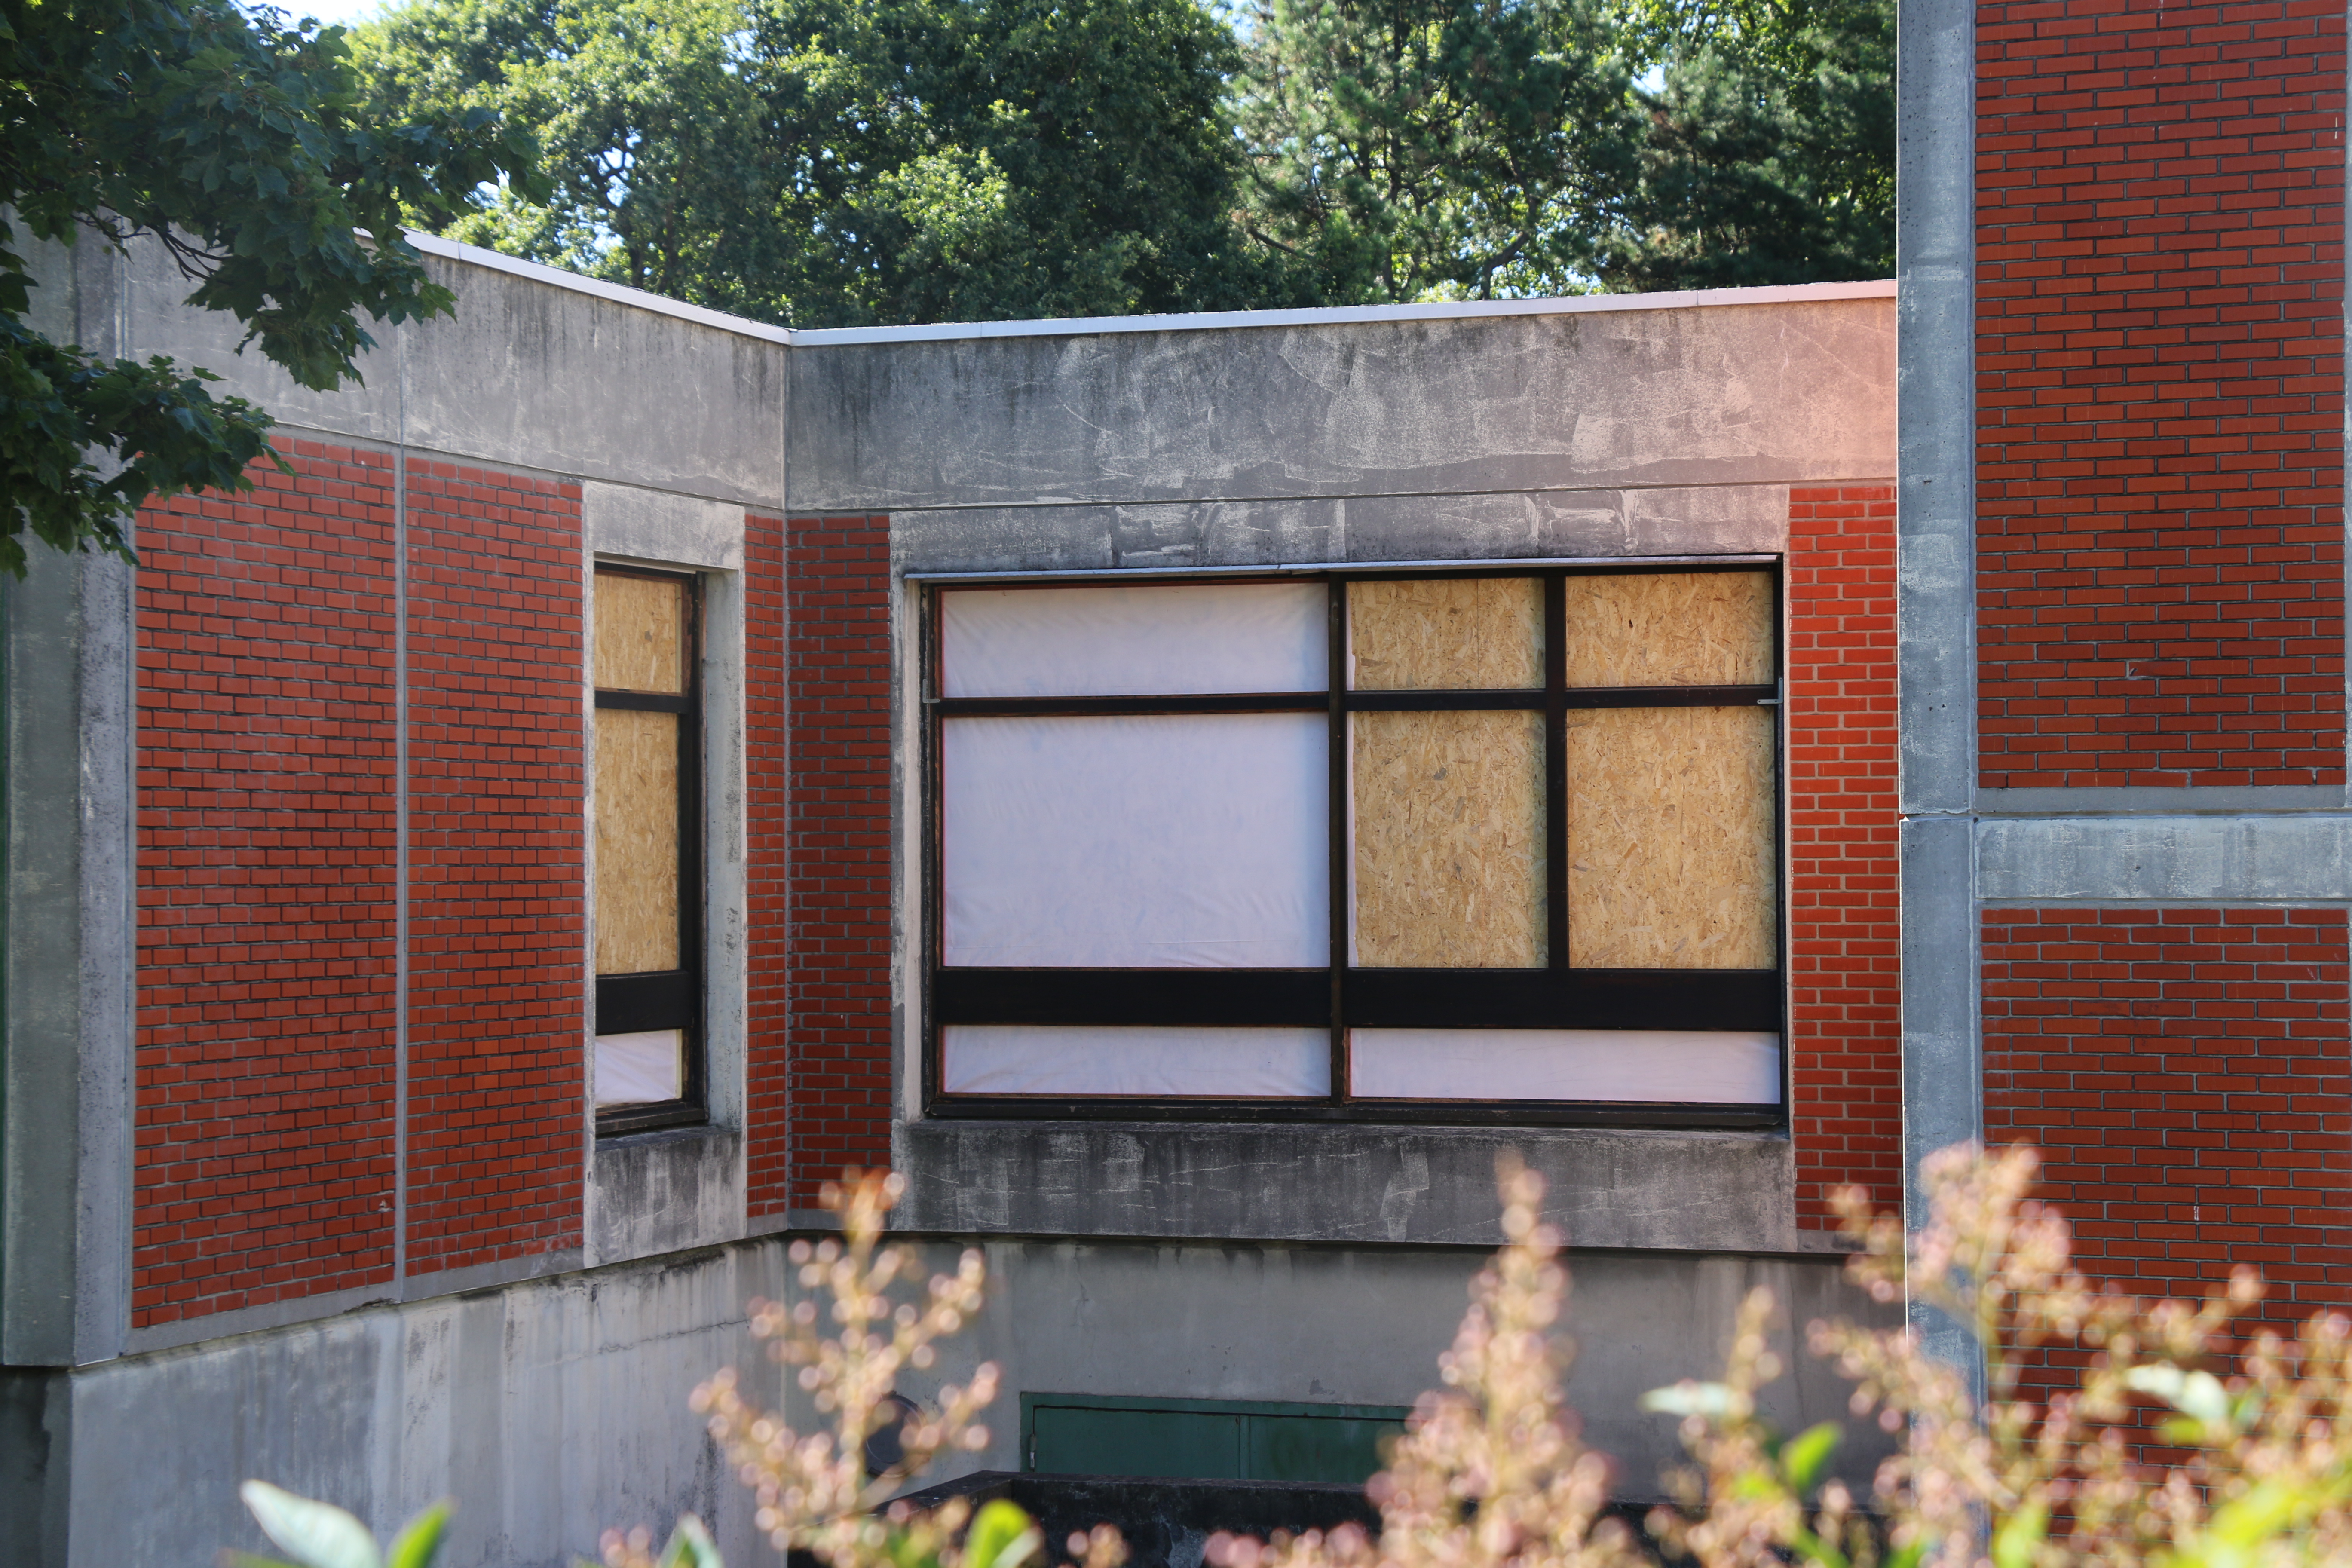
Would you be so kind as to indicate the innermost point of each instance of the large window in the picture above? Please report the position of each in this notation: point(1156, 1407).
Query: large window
point(648, 1066)
point(1484, 846)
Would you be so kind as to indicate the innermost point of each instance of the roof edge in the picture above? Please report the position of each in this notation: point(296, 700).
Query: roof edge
point(1211, 320)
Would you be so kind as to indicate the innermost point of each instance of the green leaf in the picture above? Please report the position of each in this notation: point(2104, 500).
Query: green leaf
point(2020, 1533)
point(417, 1545)
point(315, 1534)
point(1808, 1455)
point(1709, 1399)
point(690, 1546)
point(1001, 1536)
point(2196, 1393)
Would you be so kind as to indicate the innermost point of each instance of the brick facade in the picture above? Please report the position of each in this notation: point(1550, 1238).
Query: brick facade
point(838, 606)
point(2186, 1072)
point(263, 1120)
point(2160, 394)
point(767, 876)
point(1844, 907)
point(497, 1084)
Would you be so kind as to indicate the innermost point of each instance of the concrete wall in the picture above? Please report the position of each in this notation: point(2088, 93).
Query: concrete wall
point(552, 1410)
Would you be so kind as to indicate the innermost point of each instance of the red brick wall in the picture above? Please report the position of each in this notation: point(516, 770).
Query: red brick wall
point(496, 968)
point(1844, 938)
point(839, 682)
point(767, 886)
point(2160, 389)
point(2186, 1074)
point(263, 1120)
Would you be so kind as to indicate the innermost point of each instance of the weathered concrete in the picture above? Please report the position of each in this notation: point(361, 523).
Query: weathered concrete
point(552, 1410)
point(2293, 859)
point(658, 527)
point(1720, 519)
point(65, 1082)
point(1336, 1183)
point(2153, 800)
point(1777, 395)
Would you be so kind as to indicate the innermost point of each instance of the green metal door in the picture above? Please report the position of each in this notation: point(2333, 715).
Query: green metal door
point(1204, 1439)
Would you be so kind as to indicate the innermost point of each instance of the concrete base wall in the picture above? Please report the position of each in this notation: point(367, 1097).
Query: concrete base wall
point(553, 1409)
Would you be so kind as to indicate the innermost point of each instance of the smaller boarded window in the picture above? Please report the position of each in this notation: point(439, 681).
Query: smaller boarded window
point(1206, 1439)
point(647, 1070)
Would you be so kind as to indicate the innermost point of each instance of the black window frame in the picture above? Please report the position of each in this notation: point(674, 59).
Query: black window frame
point(666, 999)
point(1341, 996)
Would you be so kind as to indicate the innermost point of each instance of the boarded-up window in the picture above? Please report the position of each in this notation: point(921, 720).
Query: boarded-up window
point(1440, 840)
point(647, 734)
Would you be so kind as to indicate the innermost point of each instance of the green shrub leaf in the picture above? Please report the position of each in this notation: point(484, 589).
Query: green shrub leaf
point(315, 1534)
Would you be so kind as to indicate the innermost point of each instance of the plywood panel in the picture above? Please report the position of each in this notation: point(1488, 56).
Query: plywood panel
point(1670, 628)
point(1670, 838)
point(636, 842)
point(1462, 634)
point(1449, 840)
point(640, 633)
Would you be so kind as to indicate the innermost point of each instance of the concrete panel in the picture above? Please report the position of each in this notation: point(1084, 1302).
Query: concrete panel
point(157, 320)
point(553, 1410)
point(40, 1098)
point(662, 1192)
point(652, 525)
point(1936, 404)
point(1342, 1326)
point(568, 381)
point(2155, 799)
point(1697, 1191)
point(1176, 535)
point(548, 1411)
point(2298, 859)
point(1754, 395)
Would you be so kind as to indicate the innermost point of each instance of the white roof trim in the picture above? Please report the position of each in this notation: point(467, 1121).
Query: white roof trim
point(1340, 315)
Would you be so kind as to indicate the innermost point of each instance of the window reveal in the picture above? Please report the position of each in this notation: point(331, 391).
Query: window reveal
point(1477, 833)
point(648, 1055)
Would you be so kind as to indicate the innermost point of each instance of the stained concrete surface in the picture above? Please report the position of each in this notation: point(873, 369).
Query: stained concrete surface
point(554, 1409)
point(1782, 394)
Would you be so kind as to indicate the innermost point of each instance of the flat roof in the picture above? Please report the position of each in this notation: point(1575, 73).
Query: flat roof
point(1211, 320)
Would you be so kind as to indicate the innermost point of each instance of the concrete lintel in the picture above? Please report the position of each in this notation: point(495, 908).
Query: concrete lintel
point(1590, 524)
point(659, 526)
point(1703, 1191)
point(2142, 800)
point(2286, 858)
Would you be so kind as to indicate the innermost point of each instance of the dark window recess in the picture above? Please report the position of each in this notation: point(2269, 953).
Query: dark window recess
point(647, 1068)
point(1206, 1439)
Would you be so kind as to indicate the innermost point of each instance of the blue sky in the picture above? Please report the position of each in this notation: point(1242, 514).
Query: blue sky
point(347, 12)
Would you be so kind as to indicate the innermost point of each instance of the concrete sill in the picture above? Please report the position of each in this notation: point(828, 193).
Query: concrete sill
point(1609, 1187)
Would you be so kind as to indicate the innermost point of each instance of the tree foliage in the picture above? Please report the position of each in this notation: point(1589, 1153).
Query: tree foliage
point(1420, 149)
point(842, 162)
point(1769, 150)
point(243, 144)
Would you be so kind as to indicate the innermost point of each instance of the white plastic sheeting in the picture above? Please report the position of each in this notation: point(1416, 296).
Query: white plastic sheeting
point(640, 1069)
point(1697, 1067)
point(1226, 1064)
point(1153, 842)
point(1133, 641)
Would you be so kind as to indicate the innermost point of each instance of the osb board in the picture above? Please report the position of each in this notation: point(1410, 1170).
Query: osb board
point(1459, 634)
point(1449, 837)
point(1670, 628)
point(640, 633)
point(1670, 840)
point(636, 841)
